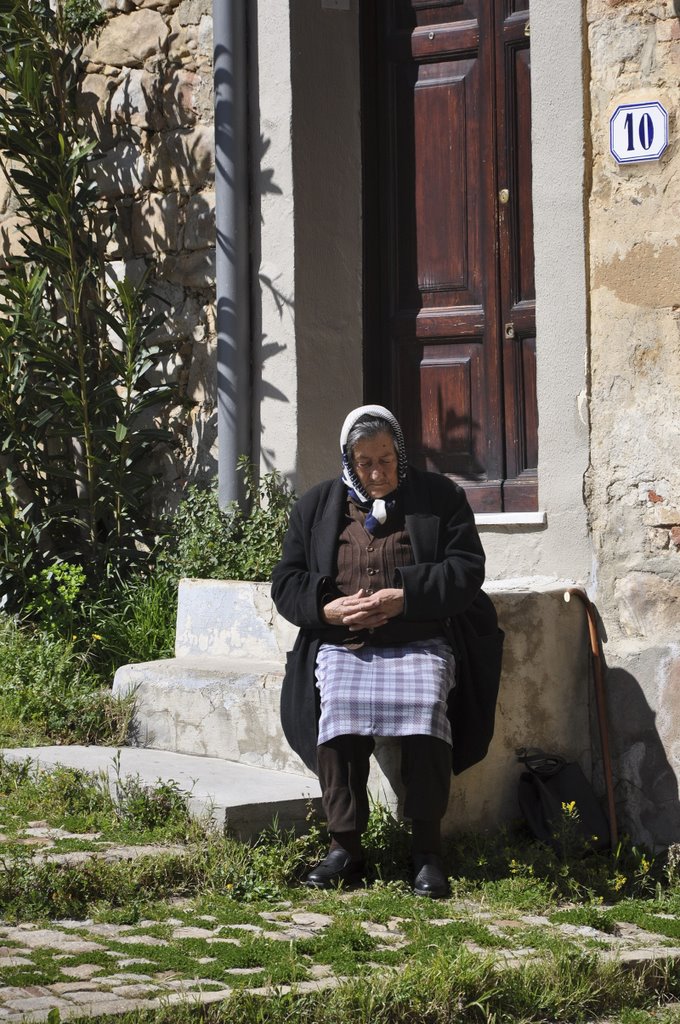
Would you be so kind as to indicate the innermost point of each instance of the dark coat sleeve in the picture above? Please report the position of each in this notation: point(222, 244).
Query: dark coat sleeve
point(297, 583)
point(447, 582)
point(298, 587)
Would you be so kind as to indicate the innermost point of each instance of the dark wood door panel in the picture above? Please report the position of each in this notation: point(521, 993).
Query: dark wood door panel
point(429, 43)
point(522, 415)
point(448, 191)
point(516, 254)
point(454, 321)
point(399, 213)
point(444, 415)
point(514, 163)
point(432, 13)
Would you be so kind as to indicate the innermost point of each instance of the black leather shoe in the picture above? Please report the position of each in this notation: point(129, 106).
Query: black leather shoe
point(336, 867)
point(430, 879)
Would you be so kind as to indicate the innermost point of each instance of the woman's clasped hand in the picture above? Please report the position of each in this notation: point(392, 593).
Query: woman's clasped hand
point(364, 611)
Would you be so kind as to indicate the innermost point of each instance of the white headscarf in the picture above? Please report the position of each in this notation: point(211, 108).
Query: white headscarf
point(379, 508)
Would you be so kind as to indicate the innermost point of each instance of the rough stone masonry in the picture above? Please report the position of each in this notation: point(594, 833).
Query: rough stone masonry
point(147, 87)
point(633, 484)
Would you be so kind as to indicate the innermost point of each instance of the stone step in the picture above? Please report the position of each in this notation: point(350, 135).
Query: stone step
point(213, 706)
point(245, 797)
point(219, 696)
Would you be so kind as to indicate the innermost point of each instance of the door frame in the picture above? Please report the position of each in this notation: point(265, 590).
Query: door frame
point(380, 371)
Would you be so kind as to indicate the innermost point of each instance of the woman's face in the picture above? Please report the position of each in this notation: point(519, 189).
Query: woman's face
point(375, 463)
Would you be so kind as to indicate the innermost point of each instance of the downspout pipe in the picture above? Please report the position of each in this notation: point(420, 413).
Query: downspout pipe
point(232, 243)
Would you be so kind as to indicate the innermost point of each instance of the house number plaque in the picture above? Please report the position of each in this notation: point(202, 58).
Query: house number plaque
point(638, 131)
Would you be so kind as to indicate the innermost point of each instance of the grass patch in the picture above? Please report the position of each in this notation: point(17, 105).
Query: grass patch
point(589, 916)
point(461, 990)
point(84, 802)
point(404, 959)
point(650, 915)
point(48, 688)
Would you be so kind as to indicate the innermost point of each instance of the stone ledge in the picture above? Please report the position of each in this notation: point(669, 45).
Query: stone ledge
point(210, 706)
point(220, 696)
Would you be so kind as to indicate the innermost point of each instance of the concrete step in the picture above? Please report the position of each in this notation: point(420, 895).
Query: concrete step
point(219, 696)
point(246, 798)
point(213, 706)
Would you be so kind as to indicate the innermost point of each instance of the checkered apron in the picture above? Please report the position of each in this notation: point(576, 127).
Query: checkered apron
point(385, 691)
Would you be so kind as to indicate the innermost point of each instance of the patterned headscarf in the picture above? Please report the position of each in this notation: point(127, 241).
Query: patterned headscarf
point(379, 507)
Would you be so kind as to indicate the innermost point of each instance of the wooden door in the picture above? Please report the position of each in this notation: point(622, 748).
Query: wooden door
point(449, 294)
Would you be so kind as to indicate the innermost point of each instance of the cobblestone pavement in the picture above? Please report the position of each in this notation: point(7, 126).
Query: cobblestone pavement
point(90, 967)
point(97, 968)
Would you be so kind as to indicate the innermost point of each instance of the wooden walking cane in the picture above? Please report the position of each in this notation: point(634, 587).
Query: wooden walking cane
point(601, 705)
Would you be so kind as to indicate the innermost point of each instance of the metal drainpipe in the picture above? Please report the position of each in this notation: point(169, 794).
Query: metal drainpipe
point(232, 243)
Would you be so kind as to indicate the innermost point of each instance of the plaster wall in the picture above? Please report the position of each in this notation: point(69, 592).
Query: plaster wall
point(633, 484)
point(275, 357)
point(328, 242)
point(559, 548)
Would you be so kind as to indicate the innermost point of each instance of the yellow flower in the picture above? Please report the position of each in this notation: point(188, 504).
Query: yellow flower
point(96, 636)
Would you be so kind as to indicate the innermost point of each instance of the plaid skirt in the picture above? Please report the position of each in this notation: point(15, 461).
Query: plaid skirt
point(385, 691)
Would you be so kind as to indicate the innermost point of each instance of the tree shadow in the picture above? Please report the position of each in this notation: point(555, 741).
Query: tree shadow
point(263, 183)
point(155, 174)
point(447, 442)
point(646, 786)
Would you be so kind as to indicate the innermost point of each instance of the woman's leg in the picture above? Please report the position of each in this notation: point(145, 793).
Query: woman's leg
point(343, 764)
point(426, 774)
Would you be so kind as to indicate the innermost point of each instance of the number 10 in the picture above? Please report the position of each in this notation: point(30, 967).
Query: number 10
point(645, 131)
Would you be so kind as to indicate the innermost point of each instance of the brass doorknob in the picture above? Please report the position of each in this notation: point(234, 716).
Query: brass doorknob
point(504, 196)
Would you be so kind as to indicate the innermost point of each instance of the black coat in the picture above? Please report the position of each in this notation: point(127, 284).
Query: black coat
point(444, 584)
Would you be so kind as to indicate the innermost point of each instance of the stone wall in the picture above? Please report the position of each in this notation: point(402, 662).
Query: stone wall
point(633, 484)
point(147, 86)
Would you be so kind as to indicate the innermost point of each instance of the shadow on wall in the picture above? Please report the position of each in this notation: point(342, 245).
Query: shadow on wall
point(646, 785)
point(263, 183)
point(547, 700)
point(156, 177)
point(156, 180)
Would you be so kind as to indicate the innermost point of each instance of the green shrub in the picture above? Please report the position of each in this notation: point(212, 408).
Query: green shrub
point(83, 18)
point(48, 686)
point(54, 597)
point(132, 622)
point(146, 808)
point(206, 542)
point(75, 351)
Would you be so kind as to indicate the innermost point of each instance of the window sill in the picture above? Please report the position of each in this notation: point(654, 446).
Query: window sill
point(511, 518)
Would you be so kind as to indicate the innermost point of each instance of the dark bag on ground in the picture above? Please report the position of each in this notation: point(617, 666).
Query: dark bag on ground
point(547, 790)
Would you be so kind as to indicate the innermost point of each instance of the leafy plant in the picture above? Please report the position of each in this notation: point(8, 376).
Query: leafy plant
point(132, 622)
point(75, 351)
point(83, 17)
point(55, 591)
point(48, 685)
point(206, 542)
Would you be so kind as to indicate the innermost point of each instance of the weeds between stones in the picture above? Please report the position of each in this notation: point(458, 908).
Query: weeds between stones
point(505, 947)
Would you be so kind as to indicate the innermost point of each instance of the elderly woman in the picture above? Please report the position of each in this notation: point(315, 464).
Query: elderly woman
point(376, 566)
